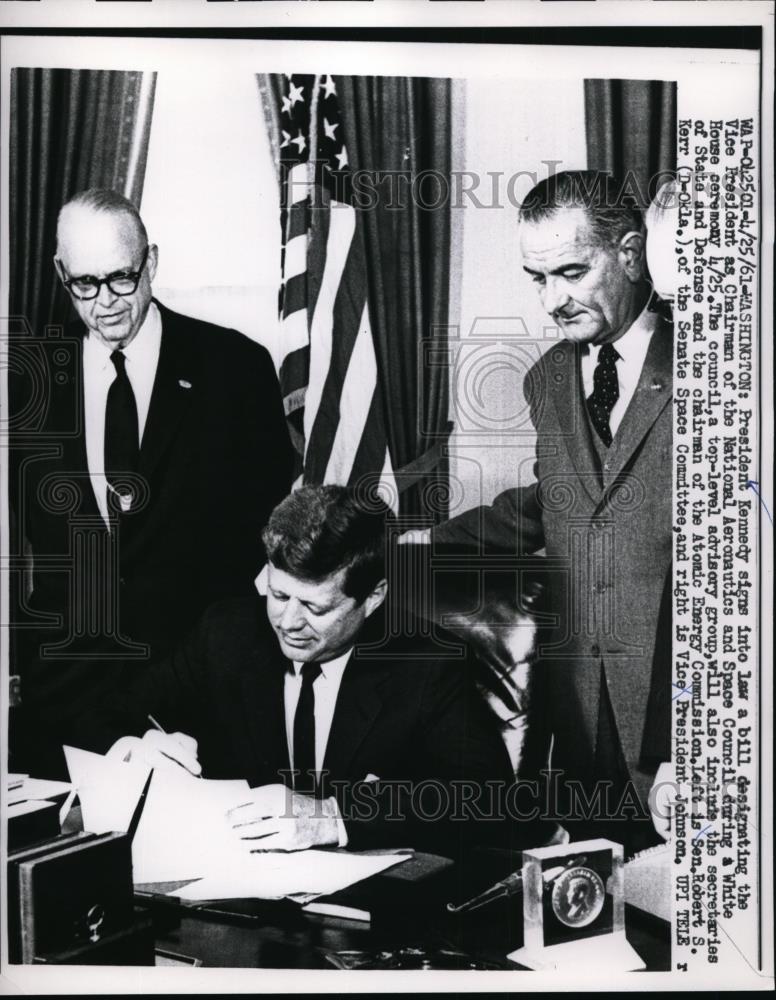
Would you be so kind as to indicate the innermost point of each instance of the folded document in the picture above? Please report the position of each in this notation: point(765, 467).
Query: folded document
point(184, 834)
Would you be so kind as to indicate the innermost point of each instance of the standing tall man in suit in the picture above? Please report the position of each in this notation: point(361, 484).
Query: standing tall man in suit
point(160, 453)
point(601, 504)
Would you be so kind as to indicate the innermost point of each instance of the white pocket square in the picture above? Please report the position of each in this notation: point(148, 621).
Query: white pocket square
point(371, 777)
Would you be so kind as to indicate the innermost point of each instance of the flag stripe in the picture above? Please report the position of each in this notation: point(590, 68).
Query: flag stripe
point(295, 296)
point(296, 257)
point(293, 331)
point(297, 184)
point(369, 458)
point(298, 220)
point(358, 389)
point(341, 229)
point(347, 317)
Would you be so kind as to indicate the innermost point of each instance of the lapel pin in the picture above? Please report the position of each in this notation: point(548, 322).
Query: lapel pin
point(657, 385)
point(184, 384)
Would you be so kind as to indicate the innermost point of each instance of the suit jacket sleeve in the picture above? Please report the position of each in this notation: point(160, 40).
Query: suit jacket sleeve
point(448, 798)
point(512, 523)
point(265, 425)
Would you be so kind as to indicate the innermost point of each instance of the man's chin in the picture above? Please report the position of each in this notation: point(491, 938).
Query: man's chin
point(579, 329)
point(299, 651)
point(114, 333)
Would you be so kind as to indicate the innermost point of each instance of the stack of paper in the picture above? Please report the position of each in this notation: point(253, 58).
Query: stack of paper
point(275, 874)
point(23, 788)
point(183, 831)
point(184, 834)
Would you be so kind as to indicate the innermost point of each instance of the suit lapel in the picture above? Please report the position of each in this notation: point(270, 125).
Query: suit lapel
point(175, 384)
point(67, 401)
point(652, 395)
point(569, 404)
point(264, 717)
point(358, 704)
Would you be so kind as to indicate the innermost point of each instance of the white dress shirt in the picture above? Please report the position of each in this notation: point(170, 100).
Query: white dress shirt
point(142, 356)
point(325, 688)
point(632, 347)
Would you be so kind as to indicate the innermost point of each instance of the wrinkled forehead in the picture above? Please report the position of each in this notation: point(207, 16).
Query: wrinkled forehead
point(565, 237)
point(94, 242)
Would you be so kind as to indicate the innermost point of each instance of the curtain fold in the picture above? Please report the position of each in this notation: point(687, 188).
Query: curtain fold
point(631, 131)
point(399, 131)
point(70, 130)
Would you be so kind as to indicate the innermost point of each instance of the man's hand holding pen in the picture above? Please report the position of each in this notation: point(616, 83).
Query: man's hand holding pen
point(158, 749)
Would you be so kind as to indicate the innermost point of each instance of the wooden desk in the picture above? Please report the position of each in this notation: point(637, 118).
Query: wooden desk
point(268, 934)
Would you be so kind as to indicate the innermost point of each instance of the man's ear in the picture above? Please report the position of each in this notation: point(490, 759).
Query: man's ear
point(631, 255)
point(376, 598)
point(153, 261)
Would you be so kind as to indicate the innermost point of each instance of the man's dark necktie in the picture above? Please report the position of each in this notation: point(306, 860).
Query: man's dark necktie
point(606, 392)
point(122, 445)
point(304, 731)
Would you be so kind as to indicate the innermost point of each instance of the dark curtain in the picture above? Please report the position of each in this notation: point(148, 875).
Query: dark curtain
point(631, 131)
point(400, 128)
point(70, 130)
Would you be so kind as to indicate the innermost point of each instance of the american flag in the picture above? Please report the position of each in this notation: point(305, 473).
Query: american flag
point(328, 375)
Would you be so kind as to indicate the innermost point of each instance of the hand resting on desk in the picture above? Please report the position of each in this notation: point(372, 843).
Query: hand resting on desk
point(278, 819)
point(159, 750)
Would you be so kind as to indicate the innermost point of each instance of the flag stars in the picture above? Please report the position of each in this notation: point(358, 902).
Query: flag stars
point(328, 87)
point(299, 141)
point(286, 106)
point(295, 93)
point(286, 138)
point(342, 158)
point(330, 128)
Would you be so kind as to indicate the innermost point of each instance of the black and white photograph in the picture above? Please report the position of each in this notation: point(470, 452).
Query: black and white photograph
point(387, 497)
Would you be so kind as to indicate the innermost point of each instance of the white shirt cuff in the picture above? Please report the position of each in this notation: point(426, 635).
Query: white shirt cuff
point(342, 832)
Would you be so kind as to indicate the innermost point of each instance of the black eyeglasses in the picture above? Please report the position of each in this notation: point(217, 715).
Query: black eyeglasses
point(120, 282)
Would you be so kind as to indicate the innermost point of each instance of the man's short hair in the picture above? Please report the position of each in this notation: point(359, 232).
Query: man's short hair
point(610, 208)
point(110, 202)
point(319, 530)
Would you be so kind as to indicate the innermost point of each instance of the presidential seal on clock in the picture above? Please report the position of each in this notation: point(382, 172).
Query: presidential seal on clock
point(578, 896)
point(574, 907)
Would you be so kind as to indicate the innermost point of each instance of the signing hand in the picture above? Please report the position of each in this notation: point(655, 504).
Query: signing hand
point(277, 819)
point(159, 750)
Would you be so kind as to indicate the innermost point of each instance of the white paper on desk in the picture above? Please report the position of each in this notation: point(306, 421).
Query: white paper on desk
point(37, 788)
point(183, 832)
point(22, 808)
point(275, 874)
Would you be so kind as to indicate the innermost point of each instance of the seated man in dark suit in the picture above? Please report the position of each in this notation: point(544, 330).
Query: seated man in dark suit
point(350, 730)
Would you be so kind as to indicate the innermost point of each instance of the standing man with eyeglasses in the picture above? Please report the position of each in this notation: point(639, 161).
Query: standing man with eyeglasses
point(162, 452)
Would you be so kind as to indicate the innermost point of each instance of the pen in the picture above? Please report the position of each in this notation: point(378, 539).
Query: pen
point(161, 729)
